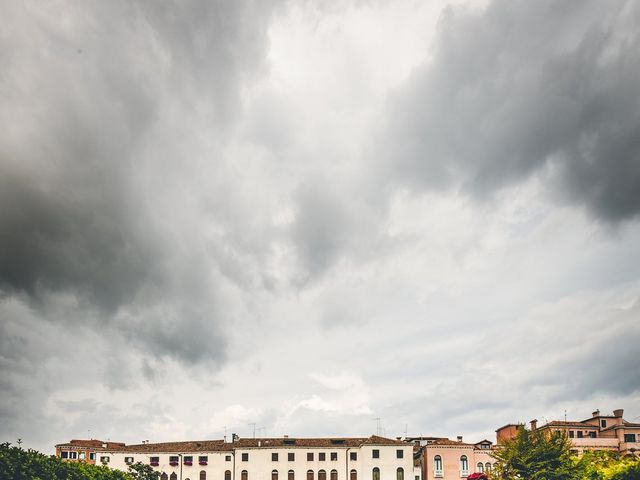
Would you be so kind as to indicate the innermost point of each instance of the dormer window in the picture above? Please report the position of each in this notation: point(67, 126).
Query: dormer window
point(603, 423)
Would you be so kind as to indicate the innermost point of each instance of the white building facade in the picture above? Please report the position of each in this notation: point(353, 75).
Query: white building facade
point(372, 458)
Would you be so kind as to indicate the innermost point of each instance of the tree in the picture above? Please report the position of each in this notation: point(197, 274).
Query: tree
point(535, 455)
point(141, 471)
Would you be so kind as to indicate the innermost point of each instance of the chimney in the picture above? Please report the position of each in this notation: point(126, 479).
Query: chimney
point(234, 437)
point(534, 423)
point(460, 438)
point(596, 413)
point(618, 413)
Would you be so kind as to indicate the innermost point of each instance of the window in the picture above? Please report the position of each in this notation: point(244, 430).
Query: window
point(291, 475)
point(173, 476)
point(571, 435)
point(203, 475)
point(164, 476)
point(227, 458)
point(353, 456)
point(399, 453)
point(274, 475)
point(334, 475)
point(629, 437)
point(92, 456)
point(603, 424)
point(480, 468)
point(173, 460)
point(376, 473)
point(244, 475)
point(81, 455)
point(353, 475)
point(203, 459)
point(580, 434)
point(487, 467)
point(274, 457)
point(322, 456)
point(400, 473)
point(289, 441)
point(291, 456)
point(73, 455)
point(437, 465)
point(322, 475)
point(592, 434)
point(375, 453)
point(464, 466)
point(187, 459)
point(128, 460)
point(227, 475)
point(245, 457)
point(310, 474)
point(154, 461)
point(334, 456)
point(104, 459)
point(310, 458)
point(65, 454)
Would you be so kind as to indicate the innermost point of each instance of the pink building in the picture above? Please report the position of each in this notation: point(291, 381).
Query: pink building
point(600, 432)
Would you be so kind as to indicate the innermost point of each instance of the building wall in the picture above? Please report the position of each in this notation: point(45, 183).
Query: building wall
point(451, 459)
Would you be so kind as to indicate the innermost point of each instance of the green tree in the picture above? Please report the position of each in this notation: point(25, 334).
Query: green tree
point(141, 471)
point(535, 455)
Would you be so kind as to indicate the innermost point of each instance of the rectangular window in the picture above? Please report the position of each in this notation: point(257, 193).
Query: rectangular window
point(128, 460)
point(353, 456)
point(309, 456)
point(203, 459)
point(603, 424)
point(399, 453)
point(64, 454)
point(580, 435)
point(334, 456)
point(322, 456)
point(291, 456)
point(227, 458)
point(592, 434)
point(73, 455)
point(245, 457)
point(375, 453)
point(629, 437)
point(81, 456)
point(187, 459)
point(92, 456)
point(571, 435)
point(104, 459)
point(173, 458)
point(274, 457)
point(154, 461)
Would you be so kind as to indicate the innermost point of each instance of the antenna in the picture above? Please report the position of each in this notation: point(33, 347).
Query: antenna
point(254, 429)
point(378, 425)
point(19, 442)
point(565, 415)
point(406, 428)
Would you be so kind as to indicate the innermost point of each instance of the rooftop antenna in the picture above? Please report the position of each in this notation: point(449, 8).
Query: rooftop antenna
point(19, 442)
point(254, 429)
point(406, 428)
point(378, 425)
point(565, 415)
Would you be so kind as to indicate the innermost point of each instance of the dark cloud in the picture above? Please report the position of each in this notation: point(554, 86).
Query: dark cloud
point(522, 88)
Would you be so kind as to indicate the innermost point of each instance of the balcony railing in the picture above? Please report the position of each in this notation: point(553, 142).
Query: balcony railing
point(439, 474)
point(464, 473)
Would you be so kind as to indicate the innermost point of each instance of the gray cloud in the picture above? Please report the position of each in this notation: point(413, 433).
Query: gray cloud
point(526, 88)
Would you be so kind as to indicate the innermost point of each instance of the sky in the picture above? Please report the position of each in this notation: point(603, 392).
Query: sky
point(300, 216)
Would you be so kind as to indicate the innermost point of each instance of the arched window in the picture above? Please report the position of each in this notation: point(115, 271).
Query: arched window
point(400, 473)
point(437, 463)
point(334, 474)
point(487, 466)
point(480, 467)
point(203, 475)
point(164, 476)
point(274, 474)
point(244, 475)
point(173, 476)
point(291, 475)
point(353, 475)
point(464, 464)
point(322, 475)
point(309, 474)
point(227, 475)
point(376, 473)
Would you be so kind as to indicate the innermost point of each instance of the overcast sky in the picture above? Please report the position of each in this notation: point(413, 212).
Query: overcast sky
point(308, 214)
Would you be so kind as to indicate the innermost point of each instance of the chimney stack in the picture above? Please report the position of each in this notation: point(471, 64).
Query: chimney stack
point(596, 413)
point(618, 413)
point(460, 438)
point(534, 423)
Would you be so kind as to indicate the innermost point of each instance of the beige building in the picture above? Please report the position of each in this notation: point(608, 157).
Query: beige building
point(599, 432)
point(372, 458)
point(84, 450)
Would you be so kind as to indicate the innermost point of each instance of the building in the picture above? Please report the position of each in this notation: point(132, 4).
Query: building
point(599, 432)
point(443, 458)
point(372, 458)
point(84, 450)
